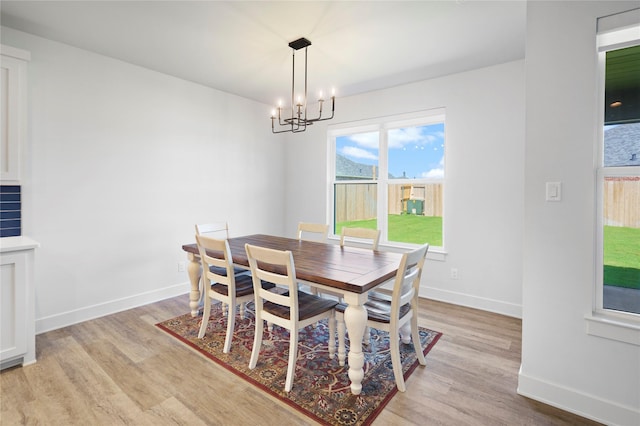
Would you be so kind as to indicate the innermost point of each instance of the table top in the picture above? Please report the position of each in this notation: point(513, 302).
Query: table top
point(346, 268)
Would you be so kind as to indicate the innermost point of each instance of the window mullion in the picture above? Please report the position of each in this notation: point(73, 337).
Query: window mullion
point(383, 182)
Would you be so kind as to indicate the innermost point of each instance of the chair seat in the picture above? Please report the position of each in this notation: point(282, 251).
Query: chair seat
point(309, 306)
point(378, 309)
point(244, 286)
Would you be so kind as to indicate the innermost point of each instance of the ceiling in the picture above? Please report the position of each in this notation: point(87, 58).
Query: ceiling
point(241, 47)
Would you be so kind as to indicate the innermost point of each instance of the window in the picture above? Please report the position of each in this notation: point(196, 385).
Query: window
point(618, 175)
point(389, 174)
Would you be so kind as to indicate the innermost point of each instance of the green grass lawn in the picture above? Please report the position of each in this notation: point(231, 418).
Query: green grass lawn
point(621, 245)
point(405, 228)
point(622, 256)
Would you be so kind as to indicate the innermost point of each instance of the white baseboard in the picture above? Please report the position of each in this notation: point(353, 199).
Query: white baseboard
point(482, 303)
point(65, 319)
point(577, 402)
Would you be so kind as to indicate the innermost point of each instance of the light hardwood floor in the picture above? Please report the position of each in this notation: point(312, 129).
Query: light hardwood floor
point(121, 369)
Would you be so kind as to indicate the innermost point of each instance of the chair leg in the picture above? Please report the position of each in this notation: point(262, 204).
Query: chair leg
point(257, 340)
point(293, 352)
point(332, 336)
point(405, 333)
point(395, 358)
point(366, 337)
point(206, 313)
point(243, 305)
point(342, 353)
point(231, 322)
point(416, 341)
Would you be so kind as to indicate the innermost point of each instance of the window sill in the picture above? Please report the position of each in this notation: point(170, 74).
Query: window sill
point(607, 327)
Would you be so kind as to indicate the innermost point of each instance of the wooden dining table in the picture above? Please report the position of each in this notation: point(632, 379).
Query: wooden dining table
point(350, 272)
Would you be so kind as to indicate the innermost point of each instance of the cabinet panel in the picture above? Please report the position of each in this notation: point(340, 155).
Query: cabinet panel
point(12, 113)
point(13, 307)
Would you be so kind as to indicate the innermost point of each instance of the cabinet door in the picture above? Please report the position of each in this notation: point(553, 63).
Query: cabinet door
point(12, 93)
point(13, 307)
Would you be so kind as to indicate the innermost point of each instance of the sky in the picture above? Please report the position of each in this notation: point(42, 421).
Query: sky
point(416, 151)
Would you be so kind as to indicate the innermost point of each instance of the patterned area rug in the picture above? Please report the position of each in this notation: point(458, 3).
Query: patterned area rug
point(320, 387)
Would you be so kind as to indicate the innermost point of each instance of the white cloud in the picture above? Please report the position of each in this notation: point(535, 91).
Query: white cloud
point(438, 172)
point(366, 140)
point(398, 138)
point(355, 152)
point(433, 173)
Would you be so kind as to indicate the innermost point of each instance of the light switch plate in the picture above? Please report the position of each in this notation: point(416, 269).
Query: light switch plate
point(554, 191)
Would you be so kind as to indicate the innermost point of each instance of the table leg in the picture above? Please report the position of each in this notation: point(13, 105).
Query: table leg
point(355, 318)
point(193, 270)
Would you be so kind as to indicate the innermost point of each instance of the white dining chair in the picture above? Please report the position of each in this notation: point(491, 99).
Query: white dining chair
point(218, 230)
point(290, 308)
point(313, 231)
point(357, 237)
point(221, 284)
point(394, 313)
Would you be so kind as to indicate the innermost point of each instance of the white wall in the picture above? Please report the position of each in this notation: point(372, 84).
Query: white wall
point(123, 162)
point(484, 179)
point(562, 364)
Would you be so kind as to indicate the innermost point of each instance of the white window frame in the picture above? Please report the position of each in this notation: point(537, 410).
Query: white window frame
point(614, 32)
point(382, 125)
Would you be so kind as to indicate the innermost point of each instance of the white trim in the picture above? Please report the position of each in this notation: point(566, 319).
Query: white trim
point(11, 244)
point(416, 118)
point(618, 21)
point(614, 32)
point(576, 402)
point(606, 326)
point(490, 305)
point(87, 313)
point(381, 126)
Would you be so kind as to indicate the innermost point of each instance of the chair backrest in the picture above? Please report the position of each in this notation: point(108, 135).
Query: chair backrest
point(216, 252)
point(277, 267)
point(218, 230)
point(313, 231)
point(360, 235)
point(407, 282)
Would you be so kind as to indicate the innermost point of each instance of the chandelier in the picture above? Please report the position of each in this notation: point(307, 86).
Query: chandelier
point(296, 119)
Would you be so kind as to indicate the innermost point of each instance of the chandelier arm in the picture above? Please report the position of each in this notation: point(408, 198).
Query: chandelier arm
point(305, 84)
point(293, 81)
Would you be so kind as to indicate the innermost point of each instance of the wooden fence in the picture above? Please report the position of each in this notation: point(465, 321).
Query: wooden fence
point(622, 201)
point(357, 201)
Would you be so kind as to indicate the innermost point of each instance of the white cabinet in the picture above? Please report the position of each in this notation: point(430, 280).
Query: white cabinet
point(17, 302)
point(13, 94)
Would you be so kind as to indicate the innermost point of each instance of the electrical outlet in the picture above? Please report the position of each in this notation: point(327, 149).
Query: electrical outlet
point(454, 273)
point(182, 266)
